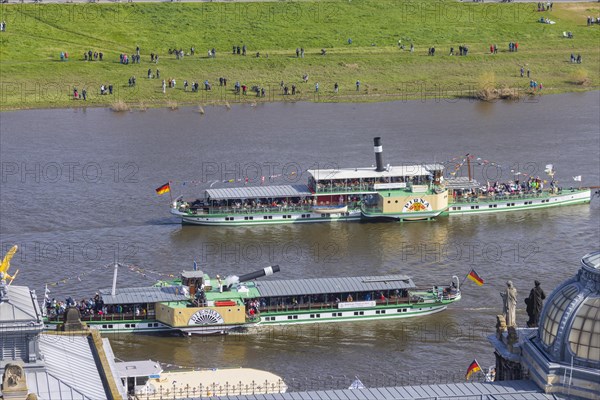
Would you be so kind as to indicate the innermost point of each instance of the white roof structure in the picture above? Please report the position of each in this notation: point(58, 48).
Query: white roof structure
point(20, 308)
point(147, 368)
point(257, 192)
point(333, 285)
point(506, 390)
point(364, 173)
point(70, 370)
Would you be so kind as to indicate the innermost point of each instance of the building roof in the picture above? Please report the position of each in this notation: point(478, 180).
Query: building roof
point(128, 369)
point(19, 307)
point(570, 320)
point(298, 287)
point(259, 192)
point(110, 357)
point(142, 295)
point(70, 370)
point(362, 173)
point(506, 390)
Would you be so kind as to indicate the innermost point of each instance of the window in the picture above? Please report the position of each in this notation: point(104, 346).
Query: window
point(583, 338)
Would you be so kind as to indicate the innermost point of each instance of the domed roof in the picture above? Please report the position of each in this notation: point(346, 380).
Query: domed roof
point(570, 322)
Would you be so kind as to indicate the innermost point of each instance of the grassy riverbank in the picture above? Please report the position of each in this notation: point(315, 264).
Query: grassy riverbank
point(33, 76)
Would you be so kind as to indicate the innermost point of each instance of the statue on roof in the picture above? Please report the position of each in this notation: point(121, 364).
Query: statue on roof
point(509, 298)
point(5, 265)
point(534, 302)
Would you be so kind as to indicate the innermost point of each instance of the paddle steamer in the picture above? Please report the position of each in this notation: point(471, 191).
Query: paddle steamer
point(198, 304)
point(383, 192)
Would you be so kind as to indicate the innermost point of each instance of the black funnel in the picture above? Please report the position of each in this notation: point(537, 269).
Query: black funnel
point(260, 273)
point(378, 154)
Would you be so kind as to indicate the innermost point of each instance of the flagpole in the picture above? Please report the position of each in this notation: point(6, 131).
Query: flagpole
point(466, 276)
point(170, 194)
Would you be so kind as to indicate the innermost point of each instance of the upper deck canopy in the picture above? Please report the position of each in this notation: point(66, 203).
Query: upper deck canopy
point(143, 295)
point(258, 192)
point(462, 183)
point(364, 173)
point(299, 287)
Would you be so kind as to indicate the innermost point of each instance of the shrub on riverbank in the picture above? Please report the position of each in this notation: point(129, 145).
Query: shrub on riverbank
point(119, 106)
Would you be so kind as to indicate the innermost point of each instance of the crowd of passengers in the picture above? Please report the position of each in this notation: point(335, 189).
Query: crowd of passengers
point(259, 204)
point(91, 307)
point(531, 186)
point(328, 299)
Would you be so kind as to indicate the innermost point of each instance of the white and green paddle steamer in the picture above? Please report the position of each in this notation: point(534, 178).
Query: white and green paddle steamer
point(198, 304)
point(384, 192)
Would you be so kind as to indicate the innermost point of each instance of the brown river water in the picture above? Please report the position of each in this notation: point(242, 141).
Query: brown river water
point(77, 193)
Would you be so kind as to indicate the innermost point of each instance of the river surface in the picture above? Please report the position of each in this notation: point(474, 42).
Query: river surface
point(77, 193)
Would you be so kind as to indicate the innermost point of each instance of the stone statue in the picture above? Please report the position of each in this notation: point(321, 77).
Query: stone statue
point(510, 304)
point(534, 302)
point(13, 381)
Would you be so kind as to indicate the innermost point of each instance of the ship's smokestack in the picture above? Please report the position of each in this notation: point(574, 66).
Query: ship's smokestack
point(232, 280)
point(378, 154)
point(260, 273)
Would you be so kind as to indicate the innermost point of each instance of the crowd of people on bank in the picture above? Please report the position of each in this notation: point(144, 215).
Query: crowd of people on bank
point(285, 89)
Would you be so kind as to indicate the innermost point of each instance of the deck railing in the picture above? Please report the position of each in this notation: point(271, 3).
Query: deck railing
point(224, 210)
point(330, 305)
point(500, 197)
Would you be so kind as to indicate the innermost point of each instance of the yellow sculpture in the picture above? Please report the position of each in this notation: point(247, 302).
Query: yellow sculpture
point(5, 266)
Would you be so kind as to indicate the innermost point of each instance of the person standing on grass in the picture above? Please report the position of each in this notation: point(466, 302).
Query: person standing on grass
point(357, 86)
point(164, 86)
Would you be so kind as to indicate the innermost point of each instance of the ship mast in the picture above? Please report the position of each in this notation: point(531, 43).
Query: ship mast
point(469, 166)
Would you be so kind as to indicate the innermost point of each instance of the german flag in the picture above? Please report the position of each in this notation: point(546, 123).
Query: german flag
point(475, 277)
point(166, 188)
point(474, 367)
